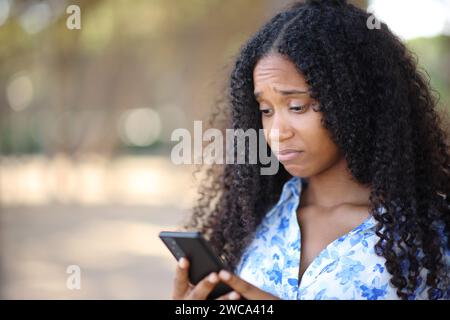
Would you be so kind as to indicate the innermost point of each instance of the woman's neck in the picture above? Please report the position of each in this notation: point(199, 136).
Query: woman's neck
point(335, 187)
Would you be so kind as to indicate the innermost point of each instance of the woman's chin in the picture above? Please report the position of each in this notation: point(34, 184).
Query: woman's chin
point(295, 169)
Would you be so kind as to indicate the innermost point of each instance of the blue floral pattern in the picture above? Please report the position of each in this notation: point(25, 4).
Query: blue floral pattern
point(348, 268)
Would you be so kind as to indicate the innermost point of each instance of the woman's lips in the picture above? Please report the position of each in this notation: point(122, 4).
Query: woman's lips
point(286, 155)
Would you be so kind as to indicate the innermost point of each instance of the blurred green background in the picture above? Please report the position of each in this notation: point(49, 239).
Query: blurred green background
point(85, 123)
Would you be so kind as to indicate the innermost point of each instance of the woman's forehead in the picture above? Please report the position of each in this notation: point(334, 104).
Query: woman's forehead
point(277, 71)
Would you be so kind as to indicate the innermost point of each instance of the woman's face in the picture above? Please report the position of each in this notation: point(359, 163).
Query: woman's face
point(305, 147)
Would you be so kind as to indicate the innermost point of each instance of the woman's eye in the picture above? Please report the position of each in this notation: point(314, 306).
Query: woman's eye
point(266, 112)
point(298, 108)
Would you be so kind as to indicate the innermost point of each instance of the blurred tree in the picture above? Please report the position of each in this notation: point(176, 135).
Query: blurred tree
point(73, 86)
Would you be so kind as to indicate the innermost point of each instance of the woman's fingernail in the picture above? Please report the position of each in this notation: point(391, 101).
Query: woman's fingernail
point(182, 263)
point(213, 278)
point(225, 275)
point(234, 295)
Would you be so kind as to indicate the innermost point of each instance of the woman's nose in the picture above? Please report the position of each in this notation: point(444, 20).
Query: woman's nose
point(280, 129)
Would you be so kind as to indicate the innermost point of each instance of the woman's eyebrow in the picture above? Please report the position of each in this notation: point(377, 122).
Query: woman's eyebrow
point(283, 92)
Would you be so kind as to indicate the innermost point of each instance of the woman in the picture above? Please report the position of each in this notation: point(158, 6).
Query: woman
point(360, 206)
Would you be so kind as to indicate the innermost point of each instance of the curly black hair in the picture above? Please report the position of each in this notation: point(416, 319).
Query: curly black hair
point(381, 112)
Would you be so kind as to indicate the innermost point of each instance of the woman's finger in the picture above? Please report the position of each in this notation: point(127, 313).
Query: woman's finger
point(204, 287)
point(233, 295)
point(181, 281)
point(244, 288)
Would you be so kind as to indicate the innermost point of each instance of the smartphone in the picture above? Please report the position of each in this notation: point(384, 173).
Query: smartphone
point(202, 260)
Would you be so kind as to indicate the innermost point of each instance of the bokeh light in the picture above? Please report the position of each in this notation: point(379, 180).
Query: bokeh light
point(4, 11)
point(20, 91)
point(36, 17)
point(140, 127)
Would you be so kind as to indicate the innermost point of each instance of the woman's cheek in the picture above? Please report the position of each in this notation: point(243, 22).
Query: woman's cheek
point(266, 127)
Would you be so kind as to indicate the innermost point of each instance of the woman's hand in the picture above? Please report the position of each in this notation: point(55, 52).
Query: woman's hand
point(243, 288)
point(184, 290)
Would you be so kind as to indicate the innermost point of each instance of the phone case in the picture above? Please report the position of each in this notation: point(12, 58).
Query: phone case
point(201, 257)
